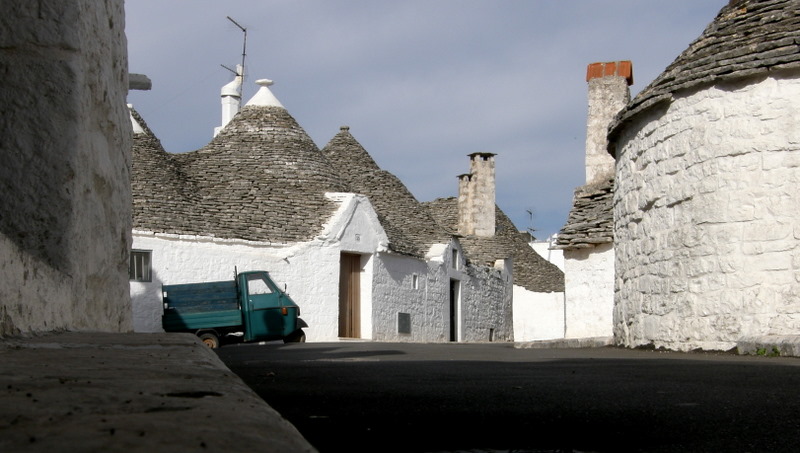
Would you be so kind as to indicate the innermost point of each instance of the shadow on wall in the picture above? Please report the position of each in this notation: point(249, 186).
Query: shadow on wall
point(147, 304)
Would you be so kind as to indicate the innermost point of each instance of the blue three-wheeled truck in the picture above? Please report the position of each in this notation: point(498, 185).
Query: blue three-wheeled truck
point(250, 307)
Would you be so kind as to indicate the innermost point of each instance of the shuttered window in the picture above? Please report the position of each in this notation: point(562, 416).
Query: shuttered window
point(139, 267)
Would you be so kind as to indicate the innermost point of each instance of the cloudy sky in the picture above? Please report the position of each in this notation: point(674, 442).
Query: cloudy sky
point(421, 83)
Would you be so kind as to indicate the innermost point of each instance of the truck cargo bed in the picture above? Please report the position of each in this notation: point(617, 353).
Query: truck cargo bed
point(201, 305)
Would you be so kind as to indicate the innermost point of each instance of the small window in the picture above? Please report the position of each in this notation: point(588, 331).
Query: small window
point(403, 323)
point(139, 266)
point(415, 281)
point(454, 263)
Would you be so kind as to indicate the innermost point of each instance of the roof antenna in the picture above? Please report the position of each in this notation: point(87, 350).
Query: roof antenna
point(244, 53)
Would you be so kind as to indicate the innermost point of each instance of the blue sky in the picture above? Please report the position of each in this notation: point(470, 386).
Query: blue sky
point(421, 83)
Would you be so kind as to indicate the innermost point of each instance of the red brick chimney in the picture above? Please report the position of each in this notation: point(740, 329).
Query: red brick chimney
point(608, 94)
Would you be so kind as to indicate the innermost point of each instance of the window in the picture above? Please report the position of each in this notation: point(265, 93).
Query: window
point(415, 281)
point(403, 323)
point(257, 285)
point(139, 266)
point(454, 263)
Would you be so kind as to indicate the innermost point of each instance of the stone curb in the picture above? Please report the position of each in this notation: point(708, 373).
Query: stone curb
point(130, 392)
point(767, 345)
point(592, 342)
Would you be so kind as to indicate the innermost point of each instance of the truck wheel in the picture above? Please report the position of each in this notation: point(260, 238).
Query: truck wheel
point(209, 339)
point(298, 336)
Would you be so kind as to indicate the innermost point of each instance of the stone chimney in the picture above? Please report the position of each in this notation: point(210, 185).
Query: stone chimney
point(231, 95)
point(476, 197)
point(608, 94)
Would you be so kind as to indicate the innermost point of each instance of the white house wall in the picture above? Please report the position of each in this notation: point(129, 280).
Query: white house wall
point(309, 270)
point(543, 248)
point(706, 218)
point(538, 316)
point(480, 317)
point(589, 291)
point(193, 259)
point(393, 281)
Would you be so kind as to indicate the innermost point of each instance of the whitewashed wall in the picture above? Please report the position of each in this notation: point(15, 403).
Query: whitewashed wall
point(393, 286)
point(554, 256)
point(309, 270)
point(483, 306)
point(66, 202)
point(589, 291)
point(311, 274)
point(707, 218)
point(538, 316)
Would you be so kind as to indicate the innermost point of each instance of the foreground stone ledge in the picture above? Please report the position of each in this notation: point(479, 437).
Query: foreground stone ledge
point(130, 392)
point(770, 345)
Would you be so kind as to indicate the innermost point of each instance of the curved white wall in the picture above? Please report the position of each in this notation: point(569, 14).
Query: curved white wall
point(707, 218)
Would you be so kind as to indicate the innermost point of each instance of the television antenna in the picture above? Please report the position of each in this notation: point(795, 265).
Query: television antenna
point(244, 53)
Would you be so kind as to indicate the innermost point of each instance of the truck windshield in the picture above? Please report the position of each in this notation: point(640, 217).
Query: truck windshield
point(256, 284)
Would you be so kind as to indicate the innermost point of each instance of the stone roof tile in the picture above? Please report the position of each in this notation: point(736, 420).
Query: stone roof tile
point(591, 220)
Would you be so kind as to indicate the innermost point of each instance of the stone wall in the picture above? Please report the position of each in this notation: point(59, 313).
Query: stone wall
point(707, 217)
point(65, 177)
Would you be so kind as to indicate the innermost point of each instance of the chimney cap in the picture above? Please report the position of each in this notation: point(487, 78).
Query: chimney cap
point(622, 68)
point(484, 155)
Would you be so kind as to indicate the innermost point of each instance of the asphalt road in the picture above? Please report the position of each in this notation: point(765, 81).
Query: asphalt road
point(390, 397)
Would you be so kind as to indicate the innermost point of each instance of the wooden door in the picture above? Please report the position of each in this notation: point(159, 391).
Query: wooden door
point(350, 296)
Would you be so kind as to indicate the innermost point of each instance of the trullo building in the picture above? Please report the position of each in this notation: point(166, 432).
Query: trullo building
point(706, 202)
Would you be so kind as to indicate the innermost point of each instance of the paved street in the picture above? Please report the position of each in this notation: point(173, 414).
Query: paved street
point(379, 397)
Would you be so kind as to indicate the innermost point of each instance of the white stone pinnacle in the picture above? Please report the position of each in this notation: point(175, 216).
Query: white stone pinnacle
point(264, 96)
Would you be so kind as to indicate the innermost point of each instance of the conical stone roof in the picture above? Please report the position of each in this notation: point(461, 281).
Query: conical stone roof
point(164, 197)
point(747, 38)
point(409, 226)
point(261, 178)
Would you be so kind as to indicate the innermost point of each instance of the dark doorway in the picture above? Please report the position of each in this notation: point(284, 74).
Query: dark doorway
point(454, 296)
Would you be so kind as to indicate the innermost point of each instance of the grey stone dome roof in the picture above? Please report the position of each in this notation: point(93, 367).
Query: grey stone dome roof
point(747, 38)
point(164, 196)
point(409, 226)
point(261, 178)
